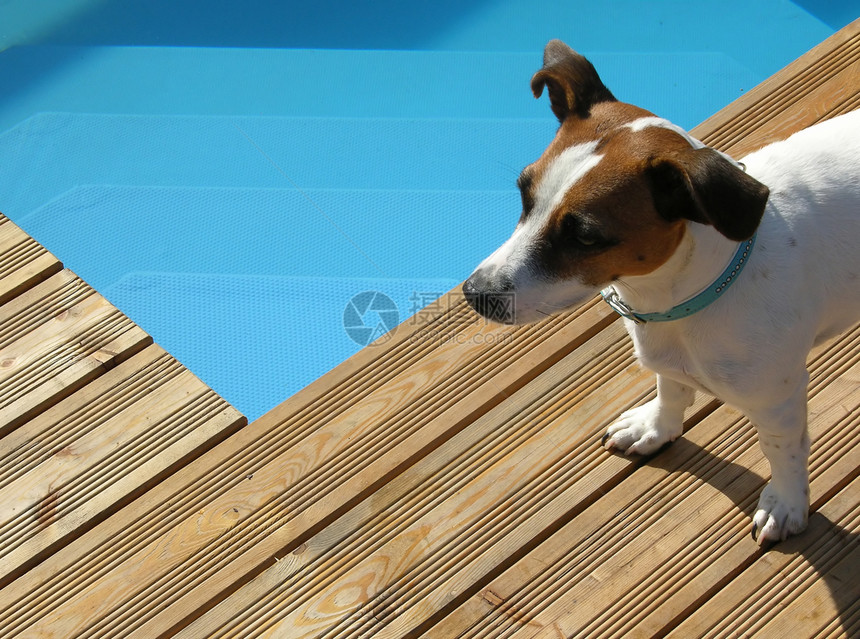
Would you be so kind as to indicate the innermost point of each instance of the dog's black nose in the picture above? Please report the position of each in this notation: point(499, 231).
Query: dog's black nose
point(496, 304)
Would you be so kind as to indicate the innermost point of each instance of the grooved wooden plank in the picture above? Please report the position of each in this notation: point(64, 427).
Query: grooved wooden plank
point(72, 466)
point(647, 554)
point(23, 261)
point(807, 588)
point(455, 516)
point(54, 338)
point(820, 84)
point(220, 520)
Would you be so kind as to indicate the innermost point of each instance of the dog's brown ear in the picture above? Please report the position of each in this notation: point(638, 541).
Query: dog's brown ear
point(573, 84)
point(703, 186)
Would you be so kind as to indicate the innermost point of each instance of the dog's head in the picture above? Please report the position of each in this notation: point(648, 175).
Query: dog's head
point(611, 197)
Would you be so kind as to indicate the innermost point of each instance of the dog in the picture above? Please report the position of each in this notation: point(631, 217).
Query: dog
point(727, 273)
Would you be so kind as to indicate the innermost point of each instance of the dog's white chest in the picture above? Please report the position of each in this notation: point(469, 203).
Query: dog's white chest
point(662, 349)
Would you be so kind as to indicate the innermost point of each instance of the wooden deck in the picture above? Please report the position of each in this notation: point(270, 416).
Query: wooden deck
point(445, 482)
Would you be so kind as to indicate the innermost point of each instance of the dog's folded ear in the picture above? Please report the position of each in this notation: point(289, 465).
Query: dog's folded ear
point(571, 80)
point(703, 186)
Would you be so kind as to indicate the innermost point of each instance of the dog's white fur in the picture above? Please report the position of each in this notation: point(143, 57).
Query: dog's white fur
point(801, 286)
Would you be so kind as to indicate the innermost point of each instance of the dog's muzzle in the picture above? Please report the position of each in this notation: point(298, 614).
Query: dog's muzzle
point(496, 303)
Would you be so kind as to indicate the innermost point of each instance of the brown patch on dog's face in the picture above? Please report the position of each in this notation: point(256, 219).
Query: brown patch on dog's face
point(605, 226)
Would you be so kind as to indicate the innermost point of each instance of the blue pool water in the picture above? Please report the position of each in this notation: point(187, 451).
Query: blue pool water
point(265, 186)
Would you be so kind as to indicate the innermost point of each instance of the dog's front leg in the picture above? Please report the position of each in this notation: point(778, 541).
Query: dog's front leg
point(645, 428)
point(784, 503)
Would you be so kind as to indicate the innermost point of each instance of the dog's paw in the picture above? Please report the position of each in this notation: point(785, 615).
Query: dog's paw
point(642, 430)
point(778, 517)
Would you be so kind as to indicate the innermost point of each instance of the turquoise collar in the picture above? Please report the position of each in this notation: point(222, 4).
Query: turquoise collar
point(691, 306)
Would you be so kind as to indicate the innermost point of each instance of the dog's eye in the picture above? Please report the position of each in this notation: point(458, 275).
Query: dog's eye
point(528, 203)
point(575, 232)
point(524, 184)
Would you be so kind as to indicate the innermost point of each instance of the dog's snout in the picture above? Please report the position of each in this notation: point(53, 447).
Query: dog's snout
point(495, 301)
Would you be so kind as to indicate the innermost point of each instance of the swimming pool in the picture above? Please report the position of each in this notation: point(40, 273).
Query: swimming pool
point(264, 187)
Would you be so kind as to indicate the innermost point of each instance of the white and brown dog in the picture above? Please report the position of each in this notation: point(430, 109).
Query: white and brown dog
point(727, 273)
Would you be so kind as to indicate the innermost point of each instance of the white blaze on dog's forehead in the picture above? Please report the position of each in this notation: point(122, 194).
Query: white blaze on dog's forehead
point(513, 257)
point(566, 170)
point(654, 121)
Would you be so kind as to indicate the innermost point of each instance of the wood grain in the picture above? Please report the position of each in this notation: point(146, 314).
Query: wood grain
point(70, 467)
point(647, 554)
point(23, 261)
point(454, 517)
point(54, 338)
point(268, 488)
point(807, 588)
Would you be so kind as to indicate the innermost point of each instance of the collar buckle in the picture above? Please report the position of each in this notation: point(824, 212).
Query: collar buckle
point(610, 295)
